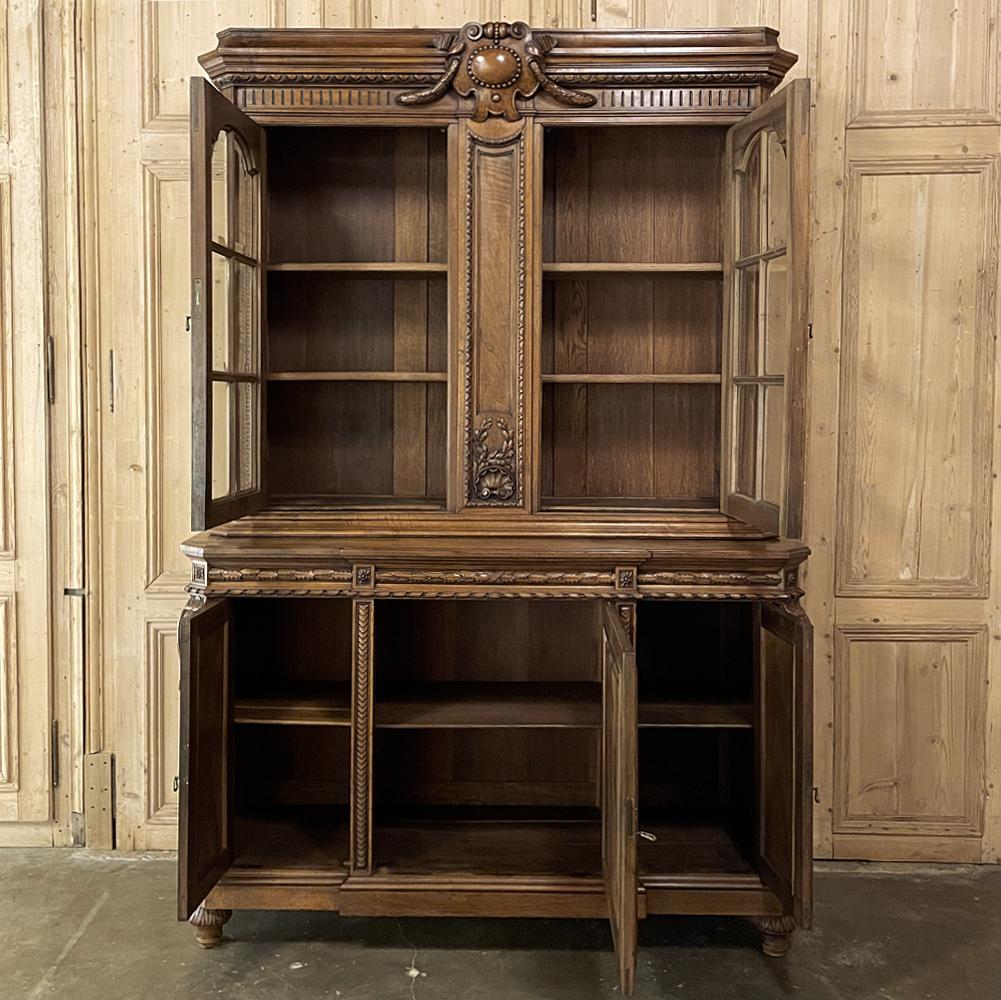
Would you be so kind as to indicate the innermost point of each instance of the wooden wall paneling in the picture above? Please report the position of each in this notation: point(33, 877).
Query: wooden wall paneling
point(167, 388)
point(941, 68)
point(162, 677)
point(26, 690)
point(914, 488)
point(910, 731)
point(174, 32)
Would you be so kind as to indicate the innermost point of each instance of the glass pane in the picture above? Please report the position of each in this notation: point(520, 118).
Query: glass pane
point(235, 316)
point(234, 198)
point(220, 184)
point(746, 334)
point(773, 438)
point(777, 315)
point(777, 195)
point(222, 313)
point(749, 208)
point(246, 435)
point(746, 431)
point(221, 422)
point(234, 438)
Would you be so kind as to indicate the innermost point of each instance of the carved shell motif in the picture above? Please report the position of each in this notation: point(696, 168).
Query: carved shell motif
point(493, 474)
point(494, 63)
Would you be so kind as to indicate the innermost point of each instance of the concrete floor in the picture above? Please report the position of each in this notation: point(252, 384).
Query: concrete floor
point(97, 927)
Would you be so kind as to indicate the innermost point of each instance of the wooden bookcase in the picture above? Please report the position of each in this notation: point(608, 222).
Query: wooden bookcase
point(499, 341)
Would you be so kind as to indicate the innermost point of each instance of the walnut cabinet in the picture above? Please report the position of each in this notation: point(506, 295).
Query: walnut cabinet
point(499, 340)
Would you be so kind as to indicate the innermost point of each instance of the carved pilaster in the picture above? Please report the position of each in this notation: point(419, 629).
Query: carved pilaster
point(208, 925)
point(363, 612)
point(775, 934)
point(495, 310)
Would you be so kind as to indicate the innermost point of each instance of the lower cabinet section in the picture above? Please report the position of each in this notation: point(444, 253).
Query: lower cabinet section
point(499, 757)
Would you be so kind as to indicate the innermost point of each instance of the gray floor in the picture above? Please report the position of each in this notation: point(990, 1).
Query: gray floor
point(91, 927)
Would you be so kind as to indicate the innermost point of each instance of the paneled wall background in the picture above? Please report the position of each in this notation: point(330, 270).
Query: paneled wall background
point(905, 579)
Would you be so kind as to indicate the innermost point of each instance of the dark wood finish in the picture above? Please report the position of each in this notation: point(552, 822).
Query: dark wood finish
point(205, 841)
point(212, 118)
point(783, 758)
point(619, 806)
point(494, 636)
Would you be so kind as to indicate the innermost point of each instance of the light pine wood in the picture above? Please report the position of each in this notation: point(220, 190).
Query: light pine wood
point(28, 563)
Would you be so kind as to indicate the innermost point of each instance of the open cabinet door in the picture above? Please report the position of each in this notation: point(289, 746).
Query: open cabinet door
point(618, 788)
point(766, 265)
point(227, 306)
point(204, 834)
point(784, 757)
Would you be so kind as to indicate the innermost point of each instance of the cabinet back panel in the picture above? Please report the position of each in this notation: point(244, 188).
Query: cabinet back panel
point(292, 765)
point(357, 194)
point(696, 650)
point(323, 322)
point(344, 439)
point(283, 643)
point(631, 441)
point(640, 194)
point(666, 325)
point(488, 767)
point(486, 641)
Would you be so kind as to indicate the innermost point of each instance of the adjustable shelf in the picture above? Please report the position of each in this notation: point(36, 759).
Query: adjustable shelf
point(357, 376)
point(376, 268)
point(328, 706)
point(697, 378)
point(491, 705)
point(598, 269)
point(695, 715)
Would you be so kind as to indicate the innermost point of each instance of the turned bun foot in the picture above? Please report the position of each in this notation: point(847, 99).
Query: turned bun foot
point(208, 925)
point(776, 934)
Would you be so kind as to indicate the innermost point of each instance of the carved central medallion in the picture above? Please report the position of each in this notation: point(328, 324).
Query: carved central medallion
point(494, 66)
point(495, 63)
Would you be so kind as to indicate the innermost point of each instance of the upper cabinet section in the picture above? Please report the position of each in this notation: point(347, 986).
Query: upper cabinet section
point(496, 69)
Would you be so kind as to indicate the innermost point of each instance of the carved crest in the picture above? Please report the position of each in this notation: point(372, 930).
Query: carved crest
point(495, 63)
point(493, 476)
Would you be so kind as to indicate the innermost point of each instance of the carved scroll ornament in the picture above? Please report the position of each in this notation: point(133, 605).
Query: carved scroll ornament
point(495, 63)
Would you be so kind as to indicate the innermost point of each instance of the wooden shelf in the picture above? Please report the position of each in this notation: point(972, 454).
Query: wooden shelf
point(597, 269)
point(641, 379)
point(396, 268)
point(491, 705)
point(331, 707)
point(357, 376)
point(695, 715)
point(412, 843)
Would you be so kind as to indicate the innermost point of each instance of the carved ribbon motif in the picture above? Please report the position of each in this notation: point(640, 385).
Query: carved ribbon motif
point(496, 62)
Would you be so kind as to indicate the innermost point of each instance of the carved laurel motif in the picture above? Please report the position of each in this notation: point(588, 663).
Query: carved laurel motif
point(251, 574)
point(361, 734)
point(710, 578)
point(495, 63)
point(491, 577)
point(493, 476)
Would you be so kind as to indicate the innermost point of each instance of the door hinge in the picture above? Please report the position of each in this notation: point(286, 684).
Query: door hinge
point(50, 370)
point(54, 753)
point(177, 783)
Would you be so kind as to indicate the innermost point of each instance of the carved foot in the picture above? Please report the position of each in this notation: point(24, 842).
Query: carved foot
point(775, 934)
point(208, 925)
